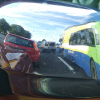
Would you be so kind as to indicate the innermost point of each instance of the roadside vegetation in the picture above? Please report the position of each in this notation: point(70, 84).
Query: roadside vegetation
point(5, 28)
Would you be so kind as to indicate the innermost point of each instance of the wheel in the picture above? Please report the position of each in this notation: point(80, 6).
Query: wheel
point(93, 70)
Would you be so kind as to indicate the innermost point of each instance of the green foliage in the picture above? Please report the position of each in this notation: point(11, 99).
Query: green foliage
point(28, 34)
point(60, 40)
point(19, 30)
point(4, 26)
point(43, 40)
point(5, 33)
point(14, 29)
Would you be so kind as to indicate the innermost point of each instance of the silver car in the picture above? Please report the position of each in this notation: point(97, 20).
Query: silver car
point(49, 46)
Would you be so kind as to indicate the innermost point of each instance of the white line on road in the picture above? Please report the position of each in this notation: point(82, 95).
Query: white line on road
point(36, 73)
point(66, 63)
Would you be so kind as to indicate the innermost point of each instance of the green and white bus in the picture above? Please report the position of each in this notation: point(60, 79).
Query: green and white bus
point(81, 45)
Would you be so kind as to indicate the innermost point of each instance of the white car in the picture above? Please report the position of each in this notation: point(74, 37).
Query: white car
point(49, 46)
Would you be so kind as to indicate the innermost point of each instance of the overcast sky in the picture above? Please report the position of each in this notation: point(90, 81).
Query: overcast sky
point(46, 21)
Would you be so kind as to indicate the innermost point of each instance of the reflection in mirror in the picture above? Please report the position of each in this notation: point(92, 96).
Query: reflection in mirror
point(52, 40)
point(90, 3)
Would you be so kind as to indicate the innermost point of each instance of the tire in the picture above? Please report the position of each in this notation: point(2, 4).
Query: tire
point(93, 70)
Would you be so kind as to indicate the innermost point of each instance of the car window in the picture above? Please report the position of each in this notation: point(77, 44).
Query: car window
point(46, 44)
point(52, 44)
point(19, 41)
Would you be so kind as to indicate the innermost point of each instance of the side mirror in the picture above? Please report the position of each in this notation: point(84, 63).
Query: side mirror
point(17, 62)
point(54, 74)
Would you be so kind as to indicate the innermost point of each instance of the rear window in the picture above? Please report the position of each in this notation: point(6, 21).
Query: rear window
point(46, 44)
point(52, 44)
point(19, 41)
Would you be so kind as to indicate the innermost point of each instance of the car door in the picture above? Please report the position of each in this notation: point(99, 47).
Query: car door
point(97, 40)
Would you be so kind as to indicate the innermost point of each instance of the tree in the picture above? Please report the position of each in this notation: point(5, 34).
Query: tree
point(4, 26)
point(19, 30)
point(60, 40)
point(14, 29)
point(43, 40)
point(27, 34)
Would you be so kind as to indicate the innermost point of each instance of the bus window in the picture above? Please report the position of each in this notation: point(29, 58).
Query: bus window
point(96, 36)
point(73, 39)
point(78, 37)
point(83, 37)
point(90, 37)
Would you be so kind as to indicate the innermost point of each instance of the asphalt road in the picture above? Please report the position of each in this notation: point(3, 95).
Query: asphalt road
point(72, 80)
point(53, 64)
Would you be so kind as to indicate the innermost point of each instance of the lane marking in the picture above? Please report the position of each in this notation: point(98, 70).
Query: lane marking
point(66, 64)
point(36, 73)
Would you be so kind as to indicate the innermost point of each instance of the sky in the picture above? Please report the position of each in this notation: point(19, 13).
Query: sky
point(46, 21)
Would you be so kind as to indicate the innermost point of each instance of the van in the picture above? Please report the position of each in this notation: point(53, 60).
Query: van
point(81, 45)
point(15, 43)
point(49, 46)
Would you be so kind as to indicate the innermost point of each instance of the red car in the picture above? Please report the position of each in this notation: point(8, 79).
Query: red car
point(15, 43)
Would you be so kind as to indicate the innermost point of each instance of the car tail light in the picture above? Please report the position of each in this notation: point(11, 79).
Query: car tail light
point(35, 46)
point(43, 46)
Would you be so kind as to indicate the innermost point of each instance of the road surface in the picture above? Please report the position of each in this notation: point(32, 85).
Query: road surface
point(54, 64)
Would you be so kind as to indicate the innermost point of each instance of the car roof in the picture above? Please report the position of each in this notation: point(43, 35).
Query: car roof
point(21, 37)
point(49, 42)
